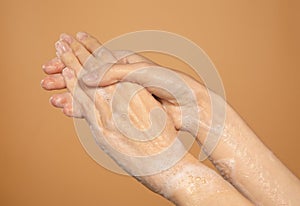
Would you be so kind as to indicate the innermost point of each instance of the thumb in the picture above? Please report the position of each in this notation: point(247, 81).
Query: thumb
point(108, 74)
point(163, 83)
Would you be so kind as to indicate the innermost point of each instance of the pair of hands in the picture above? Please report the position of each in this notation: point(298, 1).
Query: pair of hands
point(105, 68)
point(116, 91)
point(90, 73)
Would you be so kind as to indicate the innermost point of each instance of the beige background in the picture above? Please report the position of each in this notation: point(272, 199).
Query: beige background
point(254, 45)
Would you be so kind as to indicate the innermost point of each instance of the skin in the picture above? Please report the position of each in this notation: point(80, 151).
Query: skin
point(240, 156)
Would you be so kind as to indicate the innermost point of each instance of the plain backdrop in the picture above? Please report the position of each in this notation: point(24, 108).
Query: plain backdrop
point(254, 45)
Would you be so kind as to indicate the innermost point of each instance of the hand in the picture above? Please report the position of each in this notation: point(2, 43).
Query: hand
point(233, 155)
point(240, 156)
point(188, 182)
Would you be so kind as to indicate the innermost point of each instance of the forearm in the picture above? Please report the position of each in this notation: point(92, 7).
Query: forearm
point(251, 167)
point(240, 155)
point(189, 182)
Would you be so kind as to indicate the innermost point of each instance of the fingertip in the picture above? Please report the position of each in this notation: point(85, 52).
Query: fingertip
point(49, 69)
point(46, 84)
point(53, 66)
point(66, 37)
point(68, 111)
point(81, 36)
point(68, 73)
point(62, 47)
point(55, 100)
point(51, 100)
point(42, 82)
point(44, 67)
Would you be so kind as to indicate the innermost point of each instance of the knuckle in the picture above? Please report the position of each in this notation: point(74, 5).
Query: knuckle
point(77, 48)
point(68, 58)
point(92, 41)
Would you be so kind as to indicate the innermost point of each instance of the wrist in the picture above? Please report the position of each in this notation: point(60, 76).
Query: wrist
point(196, 184)
point(189, 182)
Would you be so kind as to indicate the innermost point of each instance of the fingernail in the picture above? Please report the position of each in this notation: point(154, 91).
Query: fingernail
point(91, 78)
point(47, 84)
point(52, 64)
point(81, 36)
point(62, 47)
point(47, 67)
point(44, 66)
point(66, 38)
point(68, 73)
point(57, 101)
point(49, 64)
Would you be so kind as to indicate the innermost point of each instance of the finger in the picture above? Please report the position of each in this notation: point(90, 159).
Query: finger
point(90, 43)
point(70, 79)
point(153, 78)
point(102, 99)
point(87, 99)
point(79, 99)
point(77, 93)
point(53, 82)
point(65, 101)
point(115, 74)
point(53, 66)
point(79, 50)
point(67, 56)
point(61, 100)
point(70, 111)
point(129, 57)
point(95, 47)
